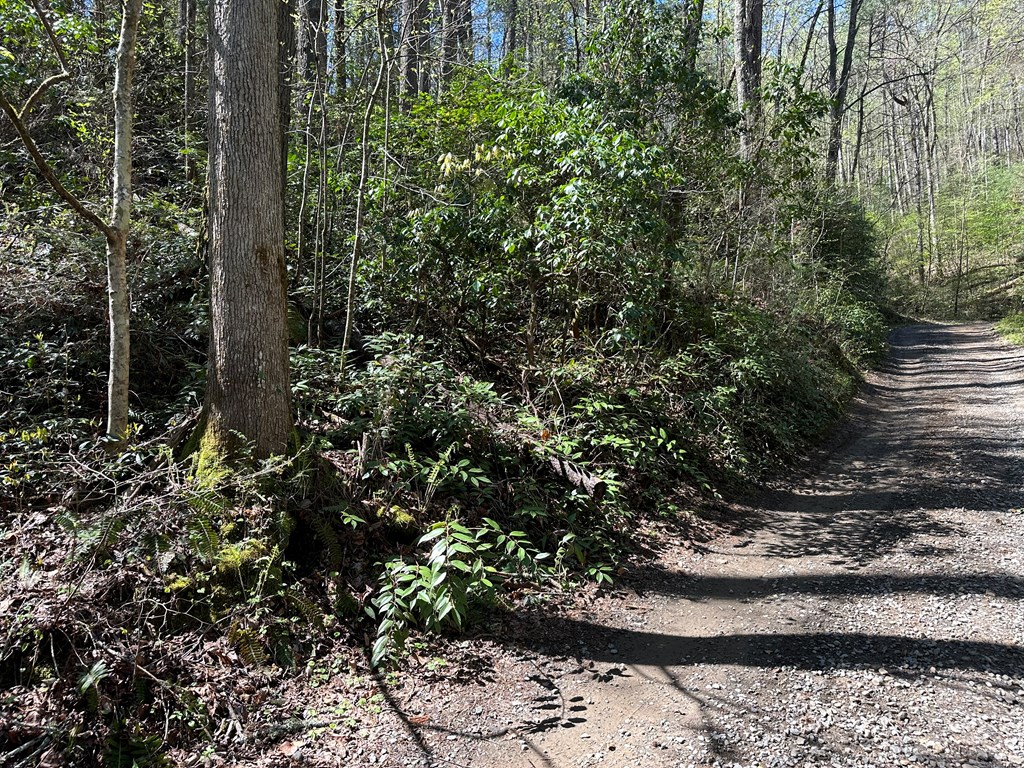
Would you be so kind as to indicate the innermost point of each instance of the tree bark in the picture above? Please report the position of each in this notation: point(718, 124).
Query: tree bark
point(747, 32)
point(839, 81)
point(248, 394)
point(120, 217)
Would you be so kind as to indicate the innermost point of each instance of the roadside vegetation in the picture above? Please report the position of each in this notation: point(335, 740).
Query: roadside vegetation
point(1011, 328)
point(561, 314)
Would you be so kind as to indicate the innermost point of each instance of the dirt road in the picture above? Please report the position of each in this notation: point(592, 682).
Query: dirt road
point(871, 616)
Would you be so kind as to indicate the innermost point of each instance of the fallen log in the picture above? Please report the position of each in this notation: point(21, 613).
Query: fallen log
point(593, 485)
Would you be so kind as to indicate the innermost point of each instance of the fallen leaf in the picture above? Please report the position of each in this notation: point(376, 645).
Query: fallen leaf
point(289, 748)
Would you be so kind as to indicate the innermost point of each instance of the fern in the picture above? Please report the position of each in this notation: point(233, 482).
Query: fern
point(208, 503)
point(160, 549)
point(310, 611)
point(101, 537)
point(109, 531)
point(204, 537)
point(89, 682)
point(67, 521)
point(329, 539)
point(133, 750)
point(248, 644)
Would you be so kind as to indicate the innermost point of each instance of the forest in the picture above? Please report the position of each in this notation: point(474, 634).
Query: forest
point(348, 324)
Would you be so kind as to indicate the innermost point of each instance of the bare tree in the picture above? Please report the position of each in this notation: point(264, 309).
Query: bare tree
point(838, 83)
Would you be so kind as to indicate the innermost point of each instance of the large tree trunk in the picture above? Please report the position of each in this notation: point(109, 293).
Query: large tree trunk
point(248, 394)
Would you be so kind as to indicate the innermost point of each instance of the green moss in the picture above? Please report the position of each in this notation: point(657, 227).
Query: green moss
point(210, 464)
point(178, 583)
point(399, 523)
point(234, 557)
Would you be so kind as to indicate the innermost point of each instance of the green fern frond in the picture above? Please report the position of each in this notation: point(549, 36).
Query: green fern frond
point(328, 538)
point(110, 529)
point(133, 750)
point(204, 537)
point(248, 644)
point(310, 611)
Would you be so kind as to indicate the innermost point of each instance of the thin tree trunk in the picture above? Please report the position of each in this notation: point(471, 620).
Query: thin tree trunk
point(810, 37)
point(859, 139)
point(414, 48)
point(285, 57)
point(838, 85)
point(455, 28)
point(747, 32)
point(511, 41)
point(188, 44)
point(693, 10)
point(340, 46)
point(120, 218)
point(116, 232)
point(364, 175)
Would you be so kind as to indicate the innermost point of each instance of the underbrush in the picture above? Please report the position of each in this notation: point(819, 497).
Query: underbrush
point(494, 487)
point(965, 262)
point(1011, 328)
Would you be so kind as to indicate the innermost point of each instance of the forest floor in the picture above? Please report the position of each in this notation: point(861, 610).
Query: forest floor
point(868, 613)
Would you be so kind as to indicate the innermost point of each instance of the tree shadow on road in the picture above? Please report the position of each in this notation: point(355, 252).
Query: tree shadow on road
point(916, 448)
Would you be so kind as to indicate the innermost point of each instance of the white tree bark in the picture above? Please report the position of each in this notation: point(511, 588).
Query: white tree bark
point(120, 218)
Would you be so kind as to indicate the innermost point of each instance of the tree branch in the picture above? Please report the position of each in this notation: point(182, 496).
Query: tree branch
point(38, 92)
point(882, 85)
point(48, 174)
point(49, 33)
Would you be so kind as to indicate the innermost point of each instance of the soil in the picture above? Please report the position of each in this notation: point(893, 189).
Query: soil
point(870, 614)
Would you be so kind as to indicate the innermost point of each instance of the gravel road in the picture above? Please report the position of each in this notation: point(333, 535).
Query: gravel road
point(873, 615)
